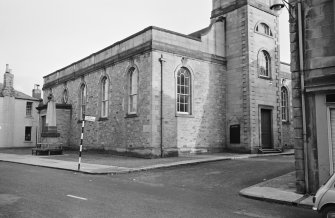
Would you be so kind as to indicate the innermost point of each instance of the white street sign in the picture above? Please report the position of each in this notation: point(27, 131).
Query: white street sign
point(90, 118)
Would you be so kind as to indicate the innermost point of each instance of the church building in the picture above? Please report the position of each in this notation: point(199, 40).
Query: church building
point(160, 93)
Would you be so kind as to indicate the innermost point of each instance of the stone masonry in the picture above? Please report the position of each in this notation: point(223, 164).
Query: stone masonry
point(225, 89)
point(313, 158)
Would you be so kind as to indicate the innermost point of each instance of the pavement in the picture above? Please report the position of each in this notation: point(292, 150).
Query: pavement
point(278, 190)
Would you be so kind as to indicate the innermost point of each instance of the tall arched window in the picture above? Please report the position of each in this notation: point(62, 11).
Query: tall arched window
point(284, 104)
point(264, 63)
point(82, 100)
point(104, 97)
point(65, 96)
point(184, 91)
point(133, 87)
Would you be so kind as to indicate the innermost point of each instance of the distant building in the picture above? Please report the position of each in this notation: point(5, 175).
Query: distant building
point(18, 115)
point(313, 84)
point(162, 93)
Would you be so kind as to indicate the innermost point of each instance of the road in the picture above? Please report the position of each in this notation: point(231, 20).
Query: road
point(204, 190)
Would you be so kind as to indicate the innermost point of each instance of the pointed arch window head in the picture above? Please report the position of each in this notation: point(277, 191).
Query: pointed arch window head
point(133, 89)
point(284, 104)
point(264, 29)
point(83, 99)
point(104, 97)
point(65, 96)
point(184, 91)
point(264, 63)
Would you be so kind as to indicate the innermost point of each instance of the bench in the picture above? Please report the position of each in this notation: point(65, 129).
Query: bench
point(47, 148)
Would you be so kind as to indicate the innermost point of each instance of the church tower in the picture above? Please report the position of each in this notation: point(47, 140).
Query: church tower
point(253, 120)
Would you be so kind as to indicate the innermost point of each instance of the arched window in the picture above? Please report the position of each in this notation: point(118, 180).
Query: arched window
point(133, 87)
point(65, 96)
point(284, 104)
point(82, 100)
point(264, 63)
point(184, 91)
point(264, 29)
point(104, 97)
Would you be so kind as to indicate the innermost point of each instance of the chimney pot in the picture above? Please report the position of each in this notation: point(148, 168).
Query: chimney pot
point(8, 88)
point(36, 92)
point(7, 68)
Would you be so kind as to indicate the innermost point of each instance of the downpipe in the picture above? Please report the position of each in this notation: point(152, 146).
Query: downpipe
point(161, 60)
point(302, 91)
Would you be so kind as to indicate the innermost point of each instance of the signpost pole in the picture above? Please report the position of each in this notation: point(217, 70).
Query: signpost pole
point(81, 141)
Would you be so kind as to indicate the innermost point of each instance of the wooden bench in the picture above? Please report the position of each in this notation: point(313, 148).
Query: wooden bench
point(47, 148)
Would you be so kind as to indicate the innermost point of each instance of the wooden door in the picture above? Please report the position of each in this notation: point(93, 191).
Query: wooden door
point(266, 130)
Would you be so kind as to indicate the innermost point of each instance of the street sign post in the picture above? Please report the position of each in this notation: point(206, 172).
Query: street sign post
point(89, 119)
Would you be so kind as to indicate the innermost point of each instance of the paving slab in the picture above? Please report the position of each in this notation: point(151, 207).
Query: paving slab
point(278, 190)
point(59, 164)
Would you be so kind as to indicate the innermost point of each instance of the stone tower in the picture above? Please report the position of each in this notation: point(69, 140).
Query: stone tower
point(252, 84)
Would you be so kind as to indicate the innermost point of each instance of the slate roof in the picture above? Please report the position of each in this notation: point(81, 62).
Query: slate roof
point(19, 95)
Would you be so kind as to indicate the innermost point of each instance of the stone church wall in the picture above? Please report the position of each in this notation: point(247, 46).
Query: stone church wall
point(203, 130)
point(246, 92)
point(287, 126)
point(226, 88)
point(118, 132)
point(264, 92)
point(237, 78)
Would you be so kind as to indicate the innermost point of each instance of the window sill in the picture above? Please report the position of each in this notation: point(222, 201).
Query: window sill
point(286, 122)
point(263, 34)
point(29, 117)
point(131, 115)
point(264, 77)
point(102, 119)
point(184, 115)
point(28, 142)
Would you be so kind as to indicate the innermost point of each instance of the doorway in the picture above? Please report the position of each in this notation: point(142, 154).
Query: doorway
point(266, 129)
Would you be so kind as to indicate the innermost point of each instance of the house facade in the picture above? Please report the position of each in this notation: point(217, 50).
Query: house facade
point(313, 84)
point(18, 115)
point(160, 93)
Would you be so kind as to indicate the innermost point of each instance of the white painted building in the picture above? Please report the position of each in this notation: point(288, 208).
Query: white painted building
point(18, 115)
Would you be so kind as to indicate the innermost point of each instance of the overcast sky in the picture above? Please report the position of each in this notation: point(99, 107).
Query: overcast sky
point(38, 37)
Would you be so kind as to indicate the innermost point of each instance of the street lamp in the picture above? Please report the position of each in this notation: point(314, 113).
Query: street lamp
point(276, 6)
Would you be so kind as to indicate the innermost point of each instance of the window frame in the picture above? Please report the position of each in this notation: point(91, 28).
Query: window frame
point(27, 138)
point(133, 81)
point(104, 99)
point(267, 29)
point(267, 61)
point(188, 92)
point(82, 101)
point(65, 97)
point(29, 109)
point(284, 104)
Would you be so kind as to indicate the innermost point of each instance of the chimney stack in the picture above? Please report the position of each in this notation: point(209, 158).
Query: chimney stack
point(8, 80)
point(37, 92)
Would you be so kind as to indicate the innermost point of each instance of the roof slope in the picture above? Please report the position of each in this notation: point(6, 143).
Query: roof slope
point(19, 95)
point(201, 32)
